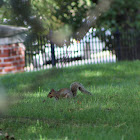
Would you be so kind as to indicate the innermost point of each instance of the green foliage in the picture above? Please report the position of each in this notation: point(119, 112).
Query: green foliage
point(123, 14)
point(57, 14)
point(45, 14)
point(111, 113)
point(54, 14)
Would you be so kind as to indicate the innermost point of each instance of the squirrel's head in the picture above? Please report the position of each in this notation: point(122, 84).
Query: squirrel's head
point(51, 93)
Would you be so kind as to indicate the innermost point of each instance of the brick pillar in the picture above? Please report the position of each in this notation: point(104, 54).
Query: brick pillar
point(12, 58)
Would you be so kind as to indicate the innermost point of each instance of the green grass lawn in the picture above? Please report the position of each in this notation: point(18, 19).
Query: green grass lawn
point(112, 113)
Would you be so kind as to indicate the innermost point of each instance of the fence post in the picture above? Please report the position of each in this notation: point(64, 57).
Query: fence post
point(53, 54)
point(52, 50)
point(118, 48)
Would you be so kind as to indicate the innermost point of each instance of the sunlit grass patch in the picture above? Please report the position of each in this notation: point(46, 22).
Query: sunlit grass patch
point(113, 112)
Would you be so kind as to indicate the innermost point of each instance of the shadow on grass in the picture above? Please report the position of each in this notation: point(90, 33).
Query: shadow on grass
point(88, 75)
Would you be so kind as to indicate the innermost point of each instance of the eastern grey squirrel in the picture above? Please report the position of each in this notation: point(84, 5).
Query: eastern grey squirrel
point(68, 93)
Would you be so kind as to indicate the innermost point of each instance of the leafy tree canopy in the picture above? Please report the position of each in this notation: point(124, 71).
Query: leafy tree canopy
point(122, 14)
point(71, 15)
point(45, 14)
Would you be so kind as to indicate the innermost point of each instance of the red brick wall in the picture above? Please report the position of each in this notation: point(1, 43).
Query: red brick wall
point(12, 58)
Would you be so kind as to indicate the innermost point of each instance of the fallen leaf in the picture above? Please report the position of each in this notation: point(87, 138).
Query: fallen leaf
point(78, 102)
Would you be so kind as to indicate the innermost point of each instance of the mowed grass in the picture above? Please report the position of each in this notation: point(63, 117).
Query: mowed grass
point(112, 113)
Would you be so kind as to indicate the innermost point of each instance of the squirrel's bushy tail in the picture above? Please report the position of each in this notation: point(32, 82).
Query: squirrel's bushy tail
point(74, 86)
